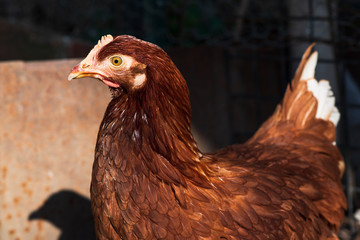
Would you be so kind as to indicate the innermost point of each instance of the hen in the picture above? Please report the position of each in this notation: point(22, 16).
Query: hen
point(150, 181)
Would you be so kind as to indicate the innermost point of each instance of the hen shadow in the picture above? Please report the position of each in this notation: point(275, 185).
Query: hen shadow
point(70, 212)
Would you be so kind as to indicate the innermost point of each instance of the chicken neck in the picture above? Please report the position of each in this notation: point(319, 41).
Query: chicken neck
point(150, 131)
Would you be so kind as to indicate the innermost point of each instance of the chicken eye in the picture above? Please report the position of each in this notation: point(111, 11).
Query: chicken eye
point(116, 61)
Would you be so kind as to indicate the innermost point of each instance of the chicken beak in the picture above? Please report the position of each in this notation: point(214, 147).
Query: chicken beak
point(78, 72)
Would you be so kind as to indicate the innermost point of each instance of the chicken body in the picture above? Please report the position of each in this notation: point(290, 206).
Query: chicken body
point(150, 181)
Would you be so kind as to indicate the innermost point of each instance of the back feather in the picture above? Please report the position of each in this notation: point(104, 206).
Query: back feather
point(306, 121)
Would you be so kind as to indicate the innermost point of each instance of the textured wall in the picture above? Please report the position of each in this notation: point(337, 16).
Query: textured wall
point(48, 128)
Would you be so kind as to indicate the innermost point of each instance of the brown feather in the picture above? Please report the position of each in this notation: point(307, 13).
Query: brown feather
point(151, 181)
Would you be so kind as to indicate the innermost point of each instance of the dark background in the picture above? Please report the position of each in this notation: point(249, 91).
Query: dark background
point(237, 55)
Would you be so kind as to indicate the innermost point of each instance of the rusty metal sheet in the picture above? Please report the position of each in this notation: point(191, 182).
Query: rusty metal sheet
point(48, 128)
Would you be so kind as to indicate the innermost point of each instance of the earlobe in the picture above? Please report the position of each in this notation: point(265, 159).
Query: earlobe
point(139, 79)
point(140, 75)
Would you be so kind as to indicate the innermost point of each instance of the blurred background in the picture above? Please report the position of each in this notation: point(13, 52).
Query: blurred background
point(236, 55)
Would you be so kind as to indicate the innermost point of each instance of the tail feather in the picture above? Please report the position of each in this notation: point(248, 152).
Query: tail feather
point(309, 68)
point(304, 60)
point(306, 100)
point(326, 101)
point(297, 101)
point(321, 90)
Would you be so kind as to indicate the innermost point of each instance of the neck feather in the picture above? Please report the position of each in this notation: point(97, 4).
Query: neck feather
point(153, 126)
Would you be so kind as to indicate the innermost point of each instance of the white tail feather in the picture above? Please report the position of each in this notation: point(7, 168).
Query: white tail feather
point(309, 69)
point(321, 90)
